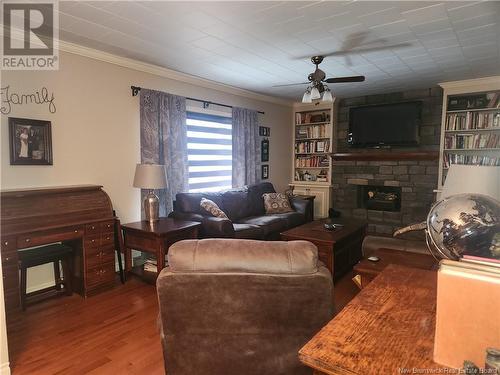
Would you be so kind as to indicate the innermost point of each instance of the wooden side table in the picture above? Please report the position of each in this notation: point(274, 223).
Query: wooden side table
point(157, 238)
point(365, 271)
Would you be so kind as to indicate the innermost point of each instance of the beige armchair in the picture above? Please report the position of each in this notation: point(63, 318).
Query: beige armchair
point(241, 306)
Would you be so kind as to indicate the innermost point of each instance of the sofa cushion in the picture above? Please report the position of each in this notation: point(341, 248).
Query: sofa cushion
point(236, 204)
point(256, 202)
point(268, 223)
point(212, 208)
point(276, 203)
point(248, 231)
point(245, 256)
point(190, 202)
point(293, 219)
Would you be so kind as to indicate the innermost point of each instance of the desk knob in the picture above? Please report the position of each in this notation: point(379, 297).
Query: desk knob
point(27, 240)
point(76, 230)
point(7, 259)
point(93, 227)
point(92, 241)
point(6, 243)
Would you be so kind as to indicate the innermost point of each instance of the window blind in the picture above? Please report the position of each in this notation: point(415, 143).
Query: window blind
point(209, 151)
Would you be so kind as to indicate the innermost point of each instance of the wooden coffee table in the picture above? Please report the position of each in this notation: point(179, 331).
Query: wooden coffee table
point(339, 249)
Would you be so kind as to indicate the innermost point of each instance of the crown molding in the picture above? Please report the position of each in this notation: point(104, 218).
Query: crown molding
point(477, 83)
point(166, 73)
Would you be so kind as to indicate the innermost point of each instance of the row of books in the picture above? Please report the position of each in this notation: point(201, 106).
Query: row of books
point(311, 117)
point(312, 146)
point(472, 120)
point(312, 161)
point(313, 131)
point(470, 160)
point(474, 101)
point(468, 141)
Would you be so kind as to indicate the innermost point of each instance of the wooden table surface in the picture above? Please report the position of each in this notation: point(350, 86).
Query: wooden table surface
point(314, 230)
point(388, 326)
point(161, 227)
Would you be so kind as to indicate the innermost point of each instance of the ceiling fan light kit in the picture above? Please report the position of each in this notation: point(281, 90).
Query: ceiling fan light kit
point(307, 96)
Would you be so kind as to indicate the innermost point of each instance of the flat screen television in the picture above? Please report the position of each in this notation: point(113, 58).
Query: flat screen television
point(385, 125)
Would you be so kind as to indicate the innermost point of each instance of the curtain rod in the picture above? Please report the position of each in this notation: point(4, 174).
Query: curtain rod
point(206, 103)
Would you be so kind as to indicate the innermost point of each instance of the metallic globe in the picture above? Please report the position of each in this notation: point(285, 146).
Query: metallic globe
point(462, 224)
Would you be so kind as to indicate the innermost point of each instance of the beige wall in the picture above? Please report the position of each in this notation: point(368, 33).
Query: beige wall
point(95, 130)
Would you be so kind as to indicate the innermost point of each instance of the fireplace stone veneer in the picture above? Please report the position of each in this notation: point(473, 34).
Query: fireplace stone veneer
point(416, 178)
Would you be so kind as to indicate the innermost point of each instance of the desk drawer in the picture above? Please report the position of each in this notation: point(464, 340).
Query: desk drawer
point(108, 226)
point(107, 239)
point(49, 236)
point(99, 256)
point(91, 242)
point(101, 274)
point(8, 244)
point(93, 228)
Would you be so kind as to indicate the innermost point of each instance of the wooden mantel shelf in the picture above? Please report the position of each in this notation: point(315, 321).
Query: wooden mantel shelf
point(386, 155)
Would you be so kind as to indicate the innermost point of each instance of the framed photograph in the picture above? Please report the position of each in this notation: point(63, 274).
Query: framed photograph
point(30, 141)
point(265, 172)
point(264, 131)
point(264, 150)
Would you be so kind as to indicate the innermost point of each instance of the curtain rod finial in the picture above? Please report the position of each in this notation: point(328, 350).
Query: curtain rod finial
point(135, 90)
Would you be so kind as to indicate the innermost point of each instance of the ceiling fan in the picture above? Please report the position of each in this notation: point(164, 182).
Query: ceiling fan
point(317, 84)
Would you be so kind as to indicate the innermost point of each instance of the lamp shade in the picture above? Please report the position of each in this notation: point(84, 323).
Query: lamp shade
point(315, 94)
point(327, 96)
point(150, 176)
point(472, 179)
point(307, 97)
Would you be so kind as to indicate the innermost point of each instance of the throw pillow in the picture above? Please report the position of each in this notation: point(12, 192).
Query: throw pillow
point(212, 208)
point(276, 203)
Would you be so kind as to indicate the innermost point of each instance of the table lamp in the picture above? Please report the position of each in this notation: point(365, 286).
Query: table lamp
point(477, 179)
point(150, 176)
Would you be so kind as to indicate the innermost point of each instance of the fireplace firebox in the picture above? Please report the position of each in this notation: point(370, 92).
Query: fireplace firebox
point(379, 198)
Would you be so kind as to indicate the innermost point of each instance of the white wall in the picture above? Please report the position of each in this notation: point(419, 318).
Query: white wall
point(95, 130)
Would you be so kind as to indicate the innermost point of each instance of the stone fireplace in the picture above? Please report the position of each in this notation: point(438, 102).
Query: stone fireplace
point(408, 173)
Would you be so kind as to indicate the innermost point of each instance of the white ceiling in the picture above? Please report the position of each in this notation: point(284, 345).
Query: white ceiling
point(254, 44)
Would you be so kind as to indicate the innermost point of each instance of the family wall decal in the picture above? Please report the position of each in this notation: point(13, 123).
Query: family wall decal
point(10, 99)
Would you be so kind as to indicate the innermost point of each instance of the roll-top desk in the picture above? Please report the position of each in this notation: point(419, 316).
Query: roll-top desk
point(80, 216)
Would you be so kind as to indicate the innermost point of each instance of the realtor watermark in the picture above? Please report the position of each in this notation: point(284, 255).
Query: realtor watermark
point(30, 35)
point(438, 370)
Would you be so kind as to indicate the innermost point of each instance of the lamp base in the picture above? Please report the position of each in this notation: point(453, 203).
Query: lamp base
point(152, 207)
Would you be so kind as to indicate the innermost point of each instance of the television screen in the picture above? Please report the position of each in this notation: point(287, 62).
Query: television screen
point(385, 125)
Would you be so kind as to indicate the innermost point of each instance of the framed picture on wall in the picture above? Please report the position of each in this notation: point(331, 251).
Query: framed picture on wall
point(264, 150)
point(264, 131)
point(30, 141)
point(265, 172)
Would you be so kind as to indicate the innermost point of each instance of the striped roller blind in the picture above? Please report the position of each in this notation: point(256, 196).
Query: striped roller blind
point(209, 151)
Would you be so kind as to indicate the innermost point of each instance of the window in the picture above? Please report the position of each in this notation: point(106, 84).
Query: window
point(209, 151)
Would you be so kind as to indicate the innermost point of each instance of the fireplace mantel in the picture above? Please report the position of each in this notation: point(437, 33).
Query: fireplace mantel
point(386, 155)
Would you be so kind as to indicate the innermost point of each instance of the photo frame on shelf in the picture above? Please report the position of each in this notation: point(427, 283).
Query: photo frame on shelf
point(265, 172)
point(30, 141)
point(264, 150)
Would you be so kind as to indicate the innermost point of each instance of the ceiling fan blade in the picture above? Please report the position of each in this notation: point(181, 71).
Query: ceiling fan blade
point(345, 79)
point(292, 84)
point(367, 49)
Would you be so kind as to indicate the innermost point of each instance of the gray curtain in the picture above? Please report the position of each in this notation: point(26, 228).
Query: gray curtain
point(164, 141)
point(246, 147)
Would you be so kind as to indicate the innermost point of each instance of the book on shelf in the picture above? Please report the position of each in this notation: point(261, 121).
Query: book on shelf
point(473, 120)
point(313, 131)
point(451, 158)
point(308, 147)
point(312, 162)
point(472, 141)
point(311, 117)
point(311, 176)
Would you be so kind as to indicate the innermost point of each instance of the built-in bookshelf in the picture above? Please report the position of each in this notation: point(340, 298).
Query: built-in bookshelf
point(471, 124)
point(313, 134)
point(313, 131)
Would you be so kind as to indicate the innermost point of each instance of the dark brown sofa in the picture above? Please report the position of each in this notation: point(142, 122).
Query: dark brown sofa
point(245, 209)
point(241, 307)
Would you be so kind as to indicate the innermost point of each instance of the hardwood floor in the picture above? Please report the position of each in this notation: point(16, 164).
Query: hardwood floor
point(114, 332)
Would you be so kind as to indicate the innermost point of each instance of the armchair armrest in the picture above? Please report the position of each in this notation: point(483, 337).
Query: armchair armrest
point(217, 227)
point(303, 206)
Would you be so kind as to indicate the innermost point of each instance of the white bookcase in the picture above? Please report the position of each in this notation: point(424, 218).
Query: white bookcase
point(313, 141)
point(470, 128)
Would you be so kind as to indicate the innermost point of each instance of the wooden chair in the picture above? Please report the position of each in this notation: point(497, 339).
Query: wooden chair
point(119, 248)
point(55, 253)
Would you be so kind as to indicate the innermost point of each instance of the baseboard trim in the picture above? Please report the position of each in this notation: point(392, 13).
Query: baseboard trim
point(5, 368)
